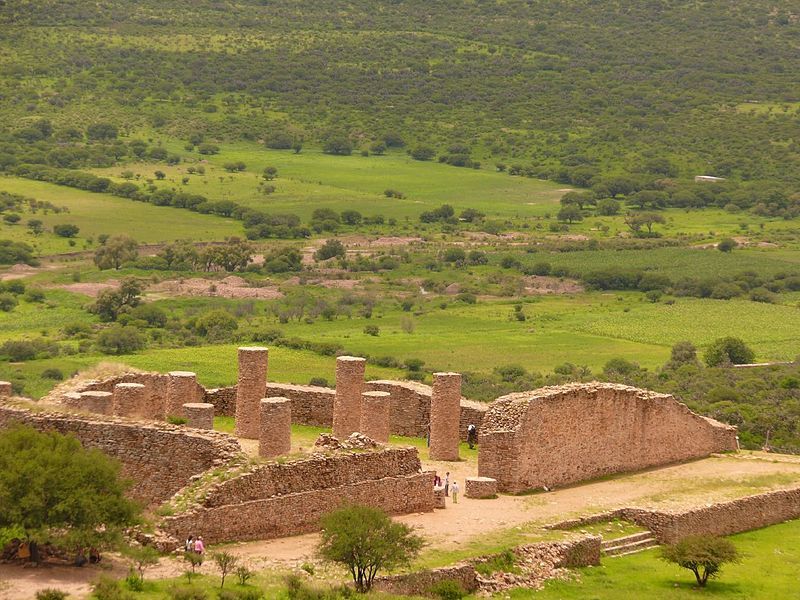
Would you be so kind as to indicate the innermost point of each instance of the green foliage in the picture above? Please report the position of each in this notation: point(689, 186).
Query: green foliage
point(66, 230)
point(111, 303)
point(332, 248)
point(119, 339)
point(106, 588)
point(56, 490)
point(728, 350)
point(448, 589)
point(702, 555)
point(115, 252)
point(727, 245)
point(366, 541)
point(51, 594)
point(216, 324)
point(226, 563)
point(505, 562)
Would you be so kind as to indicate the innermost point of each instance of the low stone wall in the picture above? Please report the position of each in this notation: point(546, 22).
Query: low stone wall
point(318, 472)
point(725, 518)
point(421, 582)
point(298, 513)
point(159, 458)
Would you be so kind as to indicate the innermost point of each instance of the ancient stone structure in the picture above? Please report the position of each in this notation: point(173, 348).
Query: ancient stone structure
point(131, 400)
point(159, 458)
point(347, 403)
point(480, 487)
point(181, 389)
point(280, 499)
point(5, 389)
point(250, 389)
point(375, 413)
point(275, 434)
point(199, 415)
point(445, 416)
point(565, 434)
point(101, 403)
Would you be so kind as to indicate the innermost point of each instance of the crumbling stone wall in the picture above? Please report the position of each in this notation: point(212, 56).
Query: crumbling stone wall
point(565, 434)
point(159, 458)
point(276, 500)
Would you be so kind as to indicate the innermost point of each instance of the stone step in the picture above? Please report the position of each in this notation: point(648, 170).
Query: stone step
point(635, 537)
point(631, 548)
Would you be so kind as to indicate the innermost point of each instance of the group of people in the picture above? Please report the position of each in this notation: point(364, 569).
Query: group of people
point(195, 544)
point(450, 488)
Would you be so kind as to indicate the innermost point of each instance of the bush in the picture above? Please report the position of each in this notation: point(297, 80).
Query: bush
point(318, 381)
point(66, 230)
point(120, 340)
point(34, 295)
point(8, 302)
point(216, 324)
point(702, 555)
point(55, 374)
point(151, 314)
point(727, 245)
point(373, 330)
point(106, 588)
point(448, 589)
point(187, 592)
point(728, 350)
point(19, 350)
point(330, 249)
point(51, 594)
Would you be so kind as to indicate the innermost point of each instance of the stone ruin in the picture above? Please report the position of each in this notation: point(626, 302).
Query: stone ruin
point(560, 435)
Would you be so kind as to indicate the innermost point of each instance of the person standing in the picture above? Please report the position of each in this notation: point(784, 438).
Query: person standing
point(199, 548)
point(188, 545)
point(447, 483)
point(472, 435)
point(455, 492)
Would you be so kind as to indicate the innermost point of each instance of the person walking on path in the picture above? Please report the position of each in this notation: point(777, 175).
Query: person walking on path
point(188, 545)
point(199, 548)
point(472, 436)
point(447, 483)
point(455, 492)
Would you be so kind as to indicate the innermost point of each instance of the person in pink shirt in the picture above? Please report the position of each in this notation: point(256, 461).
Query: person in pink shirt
point(199, 547)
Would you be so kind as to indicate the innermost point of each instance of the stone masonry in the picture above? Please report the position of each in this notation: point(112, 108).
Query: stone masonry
point(445, 416)
point(480, 487)
point(130, 400)
point(347, 403)
point(375, 407)
point(181, 389)
point(5, 389)
point(564, 434)
point(250, 389)
point(275, 435)
point(101, 403)
point(199, 415)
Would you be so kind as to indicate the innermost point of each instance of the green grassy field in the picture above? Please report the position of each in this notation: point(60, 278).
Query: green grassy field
point(769, 570)
point(102, 213)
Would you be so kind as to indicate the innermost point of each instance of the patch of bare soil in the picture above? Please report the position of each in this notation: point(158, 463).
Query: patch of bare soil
point(90, 289)
point(332, 283)
point(18, 271)
point(229, 287)
point(541, 284)
point(569, 237)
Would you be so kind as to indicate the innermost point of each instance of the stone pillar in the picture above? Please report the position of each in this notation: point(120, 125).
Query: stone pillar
point(97, 402)
point(347, 402)
point(130, 400)
point(275, 437)
point(181, 389)
point(375, 416)
point(199, 415)
point(445, 416)
point(250, 389)
point(5, 389)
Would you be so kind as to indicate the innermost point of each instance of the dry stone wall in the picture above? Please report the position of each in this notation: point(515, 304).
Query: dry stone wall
point(565, 434)
point(160, 459)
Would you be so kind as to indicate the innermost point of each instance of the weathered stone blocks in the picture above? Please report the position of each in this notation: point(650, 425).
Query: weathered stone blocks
point(275, 436)
point(130, 400)
point(181, 389)
point(199, 415)
point(250, 389)
point(375, 416)
point(101, 403)
point(5, 389)
point(480, 487)
point(347, 403)
point(445, 416)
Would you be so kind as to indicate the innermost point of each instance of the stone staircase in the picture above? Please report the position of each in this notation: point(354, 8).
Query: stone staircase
point(628, 544)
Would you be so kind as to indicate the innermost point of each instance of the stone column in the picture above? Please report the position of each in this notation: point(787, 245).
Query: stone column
point(250, 389)
point(275, 437)
point(375, 410)
point(181, 389)
point(97, 402)
point(130, 400)
point(347, 402)
point(199, 415)
point(445, 416)
point(5, 389)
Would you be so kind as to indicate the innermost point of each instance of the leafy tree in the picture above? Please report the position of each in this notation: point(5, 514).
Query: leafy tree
point(115, 252)
point(36, 226)
point(351, 217)
point(366, 540)
point(101, 132)
point(118, 339)
point(66, 230)
point(635, 221)
point(727, 245)
point(270, 173)
point(702, 555)
point(570, 213)
point(208, 149)
point(330, 249)
point(216, 324)
point(608, 207)
point(55, 490)
point(683, 353)
point(160, 175)
point(338, 144)
point(423, 153)
point(110, 303)
point(728, 350)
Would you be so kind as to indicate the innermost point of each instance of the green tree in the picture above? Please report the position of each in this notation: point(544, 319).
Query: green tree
point(116, 251)
point(728, 350)
point(702, 555)
point(66, 230)
point(226, 562)
point(57, 491)
point(570, 213)
point(118, 339)
point(110, 303)
point(142, 558)
point(36, 226)
point(330, 249)
point(366, 540)
point(270, 173)
point(727, 245)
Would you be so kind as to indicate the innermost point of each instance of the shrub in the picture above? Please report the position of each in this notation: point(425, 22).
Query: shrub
point(151, 314)
point(55, 374)
point(728, 350)
point(373, 330)
point(216, 324)
point(34, 295)
point(66, 230)
point(505, 562)
point(702, 555)
point(8, 302)
point(318, 381)
point(726, 245)
point(187, 592)
point(120, 340)
point(330, 249)
point(106, 588)
point(243, 573)
point(19, 350)
point(51, 594)
point(448, 589)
